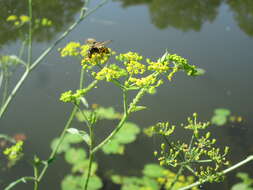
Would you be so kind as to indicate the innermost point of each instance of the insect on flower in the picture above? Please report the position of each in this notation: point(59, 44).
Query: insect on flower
point(97, 47)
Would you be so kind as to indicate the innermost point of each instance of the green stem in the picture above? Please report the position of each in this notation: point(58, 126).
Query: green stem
point(35, 171)
point(122, 121)
point(91, 156)
point(83, 15)
point(23, 179)
point(29, 58)
point(248, 159)
point(176, 177)
point(73, 113)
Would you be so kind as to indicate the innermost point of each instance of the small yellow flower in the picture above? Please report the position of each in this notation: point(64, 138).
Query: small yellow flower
point(135, 67)
point(24, 18)
point(71, 49)
point(12, 18)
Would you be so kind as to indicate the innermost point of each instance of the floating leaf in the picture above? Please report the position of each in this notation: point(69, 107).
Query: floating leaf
point(153, 171)
point(63, 147)
point(75, 183)
point(82, 166)
point(65, 144)
point(74, 156)
point(71, 182)
point(125, 135)
point(219, 120)
point(85, 136)
point(101, 113)
point(222, 111)
point(113, 147)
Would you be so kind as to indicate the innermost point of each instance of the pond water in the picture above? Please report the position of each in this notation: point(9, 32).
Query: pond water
point(216, 35)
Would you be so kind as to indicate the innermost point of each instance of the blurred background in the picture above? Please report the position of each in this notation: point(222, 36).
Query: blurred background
point(215, 35)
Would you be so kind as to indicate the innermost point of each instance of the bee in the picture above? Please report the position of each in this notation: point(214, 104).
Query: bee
point(97, 47)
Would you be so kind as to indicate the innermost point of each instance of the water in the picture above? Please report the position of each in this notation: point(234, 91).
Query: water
point(216, 35)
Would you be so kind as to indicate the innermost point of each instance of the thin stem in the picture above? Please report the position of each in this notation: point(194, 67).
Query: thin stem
point(122, 121)
point(125, 100)
point(248, 159)
point(29, 58)
point(177, 176)
point(83, 15)
point(23, 179)
point(73, 113)
point(91, 156)
point(35, 171)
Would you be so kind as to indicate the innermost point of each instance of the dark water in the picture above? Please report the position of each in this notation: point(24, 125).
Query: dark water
point(214, 34)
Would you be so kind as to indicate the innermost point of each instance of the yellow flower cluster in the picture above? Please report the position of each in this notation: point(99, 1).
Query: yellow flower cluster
point(18, 20)
point(160, 67)
point(135, 67)
point(110, 73)
point(69, 96)
point(71, 49)
point(143, 82)
point(130, 56)
point(175, 69)
point(14, 151)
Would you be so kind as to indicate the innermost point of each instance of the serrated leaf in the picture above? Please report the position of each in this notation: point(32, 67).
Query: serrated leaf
point(153, 171)
point(74, 156)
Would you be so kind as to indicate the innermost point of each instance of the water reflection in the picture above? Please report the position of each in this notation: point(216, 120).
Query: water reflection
point(60, 12)
point(243, 14)
point(188, 15)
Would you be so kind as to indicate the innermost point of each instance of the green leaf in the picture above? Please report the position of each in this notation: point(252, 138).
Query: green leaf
point(83, 166)
point(219, 120)
point(241, 186)
point(75, 183)
point(63, 147)
point(200, 72)
point(127, 133)
point(71, 182)
point(72, 139)
point(150, 183)
point(117, 179)
point(222, 111)
point(108, 113)
point(153, 171)
point(94, 183)
point(85, 136)
point(113, 147)
point(74, 156)
point(245, 178)
point(101, 113)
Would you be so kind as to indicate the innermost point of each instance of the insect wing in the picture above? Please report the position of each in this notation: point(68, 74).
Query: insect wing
point(102, 44)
